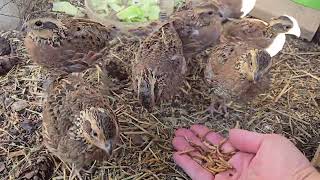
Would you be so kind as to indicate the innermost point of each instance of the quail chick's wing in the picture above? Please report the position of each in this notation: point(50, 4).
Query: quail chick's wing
point(78, 124)
point(160, 66)
point(198, 27)
point(233, 69)
point(69, 45)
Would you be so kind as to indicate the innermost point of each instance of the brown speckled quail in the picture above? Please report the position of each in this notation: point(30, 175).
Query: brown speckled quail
point(67, 45)
point(261, 34)
point(198, 26)
point(235, 71)
point(79, 126)
point(160, 67)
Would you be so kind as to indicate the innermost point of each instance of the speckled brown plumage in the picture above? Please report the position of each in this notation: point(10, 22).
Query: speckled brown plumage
point(198, 26)
point(79, 126)
point(160, 67)
point(255, 32)
point(250, 30)
point(234, 69)
point(69, 45)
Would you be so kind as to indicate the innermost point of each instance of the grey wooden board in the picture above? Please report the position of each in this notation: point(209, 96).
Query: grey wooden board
point(308, 19)
point(9, 15)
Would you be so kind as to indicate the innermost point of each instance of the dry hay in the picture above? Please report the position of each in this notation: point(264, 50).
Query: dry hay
point(290, 107)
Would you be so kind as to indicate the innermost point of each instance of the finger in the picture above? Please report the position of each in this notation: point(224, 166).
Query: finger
point(240, 162)
point(181, 145)
point(191, 138)
point(245, 141)
point(193, 169)
point(212, 137)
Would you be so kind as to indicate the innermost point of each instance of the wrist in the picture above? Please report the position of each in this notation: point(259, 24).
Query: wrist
point(309, 173)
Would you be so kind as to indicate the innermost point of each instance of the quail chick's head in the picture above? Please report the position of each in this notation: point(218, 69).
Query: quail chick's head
point(44, 27)
point(285, 24)
point(99, 129)
point(156, 86)
point(198, 27)
point(257, 63)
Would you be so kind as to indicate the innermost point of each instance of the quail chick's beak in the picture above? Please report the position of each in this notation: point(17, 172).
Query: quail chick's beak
point(24, 27)
point(256, 77)
point(108, 147)
point(146, 94)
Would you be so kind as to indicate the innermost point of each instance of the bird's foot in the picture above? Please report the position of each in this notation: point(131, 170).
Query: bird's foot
point(219, 107)
point(75, 173)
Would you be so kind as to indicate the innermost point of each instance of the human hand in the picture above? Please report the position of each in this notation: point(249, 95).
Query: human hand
point(259, 156)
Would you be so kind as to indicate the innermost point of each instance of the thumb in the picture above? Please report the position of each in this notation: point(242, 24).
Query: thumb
point(246, 141)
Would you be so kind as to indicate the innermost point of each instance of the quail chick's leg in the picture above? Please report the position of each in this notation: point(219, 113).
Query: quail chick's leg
point(75, 172)
point(219, 106)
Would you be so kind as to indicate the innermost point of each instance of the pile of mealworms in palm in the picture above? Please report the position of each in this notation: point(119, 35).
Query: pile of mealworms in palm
point(212, 157)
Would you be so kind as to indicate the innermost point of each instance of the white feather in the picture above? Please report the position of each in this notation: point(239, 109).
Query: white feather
point(247, 7)
point(295, 30)
point(277, 45)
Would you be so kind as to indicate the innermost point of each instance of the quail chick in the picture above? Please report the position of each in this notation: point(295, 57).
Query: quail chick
point(160, 67)
point(261, 34)
point(78, 124)
point(69, 45)
point(198, 26)
point(233, 70)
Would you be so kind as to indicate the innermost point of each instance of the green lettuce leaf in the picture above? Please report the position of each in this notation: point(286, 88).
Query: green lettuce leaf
point(66, 7)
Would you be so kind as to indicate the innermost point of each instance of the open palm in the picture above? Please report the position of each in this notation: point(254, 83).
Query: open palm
point(259, 156)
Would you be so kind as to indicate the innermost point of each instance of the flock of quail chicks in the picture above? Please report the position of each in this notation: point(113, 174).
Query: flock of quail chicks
point(79, 126)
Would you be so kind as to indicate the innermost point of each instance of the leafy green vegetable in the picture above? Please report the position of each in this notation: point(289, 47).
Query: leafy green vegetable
point(152, 12)
point(132, 11)
point(66, 7)
point(132, 14)
point(178, 2)
point(115, 5)
point(140, 11)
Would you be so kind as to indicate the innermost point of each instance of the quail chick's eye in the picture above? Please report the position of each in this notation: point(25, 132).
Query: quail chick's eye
point(94, 134)
point(38, 23)
point(286, 27)
point(210, 12)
